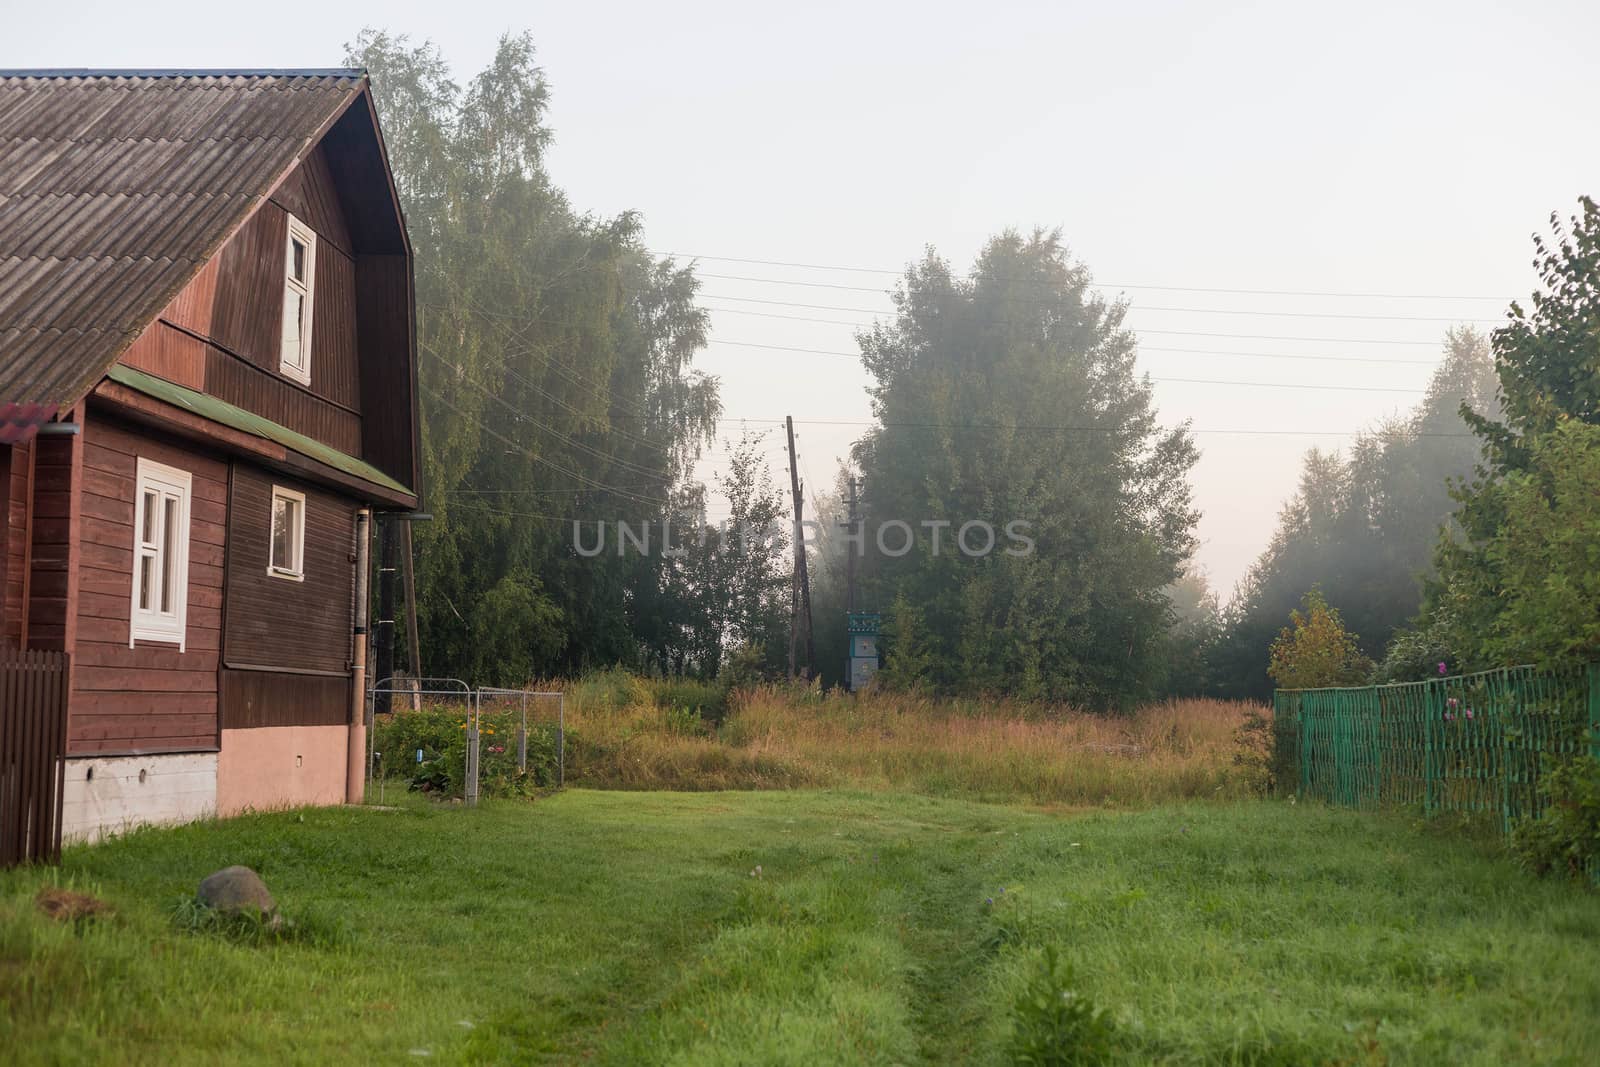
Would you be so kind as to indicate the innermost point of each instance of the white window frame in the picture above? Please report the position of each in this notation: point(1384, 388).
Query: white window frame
point(152, 624)
point(299, 231)
point(297, 572)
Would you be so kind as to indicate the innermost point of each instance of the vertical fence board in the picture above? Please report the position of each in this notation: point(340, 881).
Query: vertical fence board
point(33, 718)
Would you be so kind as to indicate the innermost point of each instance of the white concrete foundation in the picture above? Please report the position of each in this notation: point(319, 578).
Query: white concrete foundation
point(106, 795)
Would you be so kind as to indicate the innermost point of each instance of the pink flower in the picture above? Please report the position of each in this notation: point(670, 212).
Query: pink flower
point(1451, 702)
point(1441, 667)
point(1469, 713)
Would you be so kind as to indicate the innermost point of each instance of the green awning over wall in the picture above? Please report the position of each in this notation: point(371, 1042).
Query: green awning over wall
point(220, 411)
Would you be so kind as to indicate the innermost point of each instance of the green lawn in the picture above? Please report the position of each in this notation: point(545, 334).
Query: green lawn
point(629, 928)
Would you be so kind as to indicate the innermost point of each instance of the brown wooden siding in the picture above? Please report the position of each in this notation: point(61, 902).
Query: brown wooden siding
point(388, 380)
point(280, 400)
point(311, 195)
point(275, 622)
point(14, 563)
point(222, 333)
point(247, 306)
point(266, 698)
point(152, 697)
point(169, 353)
point(10, 513)
point(55, 514)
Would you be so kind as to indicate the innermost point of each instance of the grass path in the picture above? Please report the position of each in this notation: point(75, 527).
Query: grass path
point(624, 928)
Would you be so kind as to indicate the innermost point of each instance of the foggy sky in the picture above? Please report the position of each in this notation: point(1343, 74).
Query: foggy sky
point(1352, 149)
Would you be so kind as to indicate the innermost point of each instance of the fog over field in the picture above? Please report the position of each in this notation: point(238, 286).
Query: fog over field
point(1392, 160)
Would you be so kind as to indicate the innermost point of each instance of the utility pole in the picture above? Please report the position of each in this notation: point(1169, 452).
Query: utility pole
point(800, 589)
point(408, 580)
point(850, 524)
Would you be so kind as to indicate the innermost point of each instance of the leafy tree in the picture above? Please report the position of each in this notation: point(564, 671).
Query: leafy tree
point(1191, 643)
point(1362, 526)
point(1315, 649)
point(736, 573)
point(1528, 591)
point(557, 380)
point(1011, 396)
point(1517, 583)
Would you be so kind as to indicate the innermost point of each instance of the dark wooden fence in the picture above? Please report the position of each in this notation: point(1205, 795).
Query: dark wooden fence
point(33, 737)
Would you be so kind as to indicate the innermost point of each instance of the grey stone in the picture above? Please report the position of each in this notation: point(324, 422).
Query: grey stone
point(237, 889)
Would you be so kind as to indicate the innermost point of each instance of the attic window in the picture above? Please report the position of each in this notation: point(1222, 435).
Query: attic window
point(299, 284)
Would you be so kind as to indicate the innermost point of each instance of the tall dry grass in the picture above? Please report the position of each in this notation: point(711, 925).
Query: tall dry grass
point(626, 734)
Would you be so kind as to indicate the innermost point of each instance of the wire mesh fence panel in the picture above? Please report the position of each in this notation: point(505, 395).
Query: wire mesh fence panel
point(425, 741)
point(1474, 744)
point(524, 739)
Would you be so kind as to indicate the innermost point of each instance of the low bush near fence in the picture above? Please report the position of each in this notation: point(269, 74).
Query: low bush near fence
point(1565, 839)
point(428, 749)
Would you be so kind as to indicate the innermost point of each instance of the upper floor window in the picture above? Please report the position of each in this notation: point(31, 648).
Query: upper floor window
point(287, 558)
point(160, 554)
point(299, 285)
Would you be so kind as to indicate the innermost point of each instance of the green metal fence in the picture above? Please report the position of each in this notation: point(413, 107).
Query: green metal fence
point(1465, 743)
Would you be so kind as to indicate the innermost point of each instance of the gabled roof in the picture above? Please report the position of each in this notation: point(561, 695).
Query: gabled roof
point(115, 188)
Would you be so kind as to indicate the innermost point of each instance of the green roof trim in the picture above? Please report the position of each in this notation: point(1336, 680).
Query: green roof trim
point(238, 418)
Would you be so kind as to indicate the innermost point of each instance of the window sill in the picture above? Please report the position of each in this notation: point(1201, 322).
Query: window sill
point(294, 375)
point(137, 638)
point(288, 576)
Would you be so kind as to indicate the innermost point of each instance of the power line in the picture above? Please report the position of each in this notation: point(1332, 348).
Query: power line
point(1137, 330)
point(1047, 428)
point(1132, 307)
point(1102, 285)
point(1176, 381)
point(523, 449)
point(1144, 348)
point(517, 413)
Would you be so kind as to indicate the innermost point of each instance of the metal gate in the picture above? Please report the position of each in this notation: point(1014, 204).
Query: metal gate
point(33, 737)
point(526, 716)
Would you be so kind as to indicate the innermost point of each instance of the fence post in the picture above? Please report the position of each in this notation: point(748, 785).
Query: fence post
point(1432, 709)
point(474, 722)
point(522, 738)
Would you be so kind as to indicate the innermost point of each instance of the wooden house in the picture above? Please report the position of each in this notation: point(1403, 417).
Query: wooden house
point(207, 386)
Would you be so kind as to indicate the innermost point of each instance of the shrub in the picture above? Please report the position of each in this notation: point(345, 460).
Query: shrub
point(1565, 839)
point(440, 734)
point(1316, 650)
point(1265, 759)
point(707, 700)
point(612, 689)
point(1054, 1025)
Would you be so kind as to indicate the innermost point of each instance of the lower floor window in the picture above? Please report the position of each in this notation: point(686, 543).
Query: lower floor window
point(287, 554)
point(160, 554)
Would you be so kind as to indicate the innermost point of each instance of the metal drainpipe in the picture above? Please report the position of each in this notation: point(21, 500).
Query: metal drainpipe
point(356, 766)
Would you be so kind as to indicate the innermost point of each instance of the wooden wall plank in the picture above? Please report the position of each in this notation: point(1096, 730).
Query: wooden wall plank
point(260, 698)
point(151, 697)
point(388, 379)
point(274, 622)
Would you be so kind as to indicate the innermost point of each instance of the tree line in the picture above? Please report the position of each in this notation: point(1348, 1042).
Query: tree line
point(559, 388)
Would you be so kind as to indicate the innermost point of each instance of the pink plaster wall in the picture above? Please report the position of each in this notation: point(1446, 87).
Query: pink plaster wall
point(280, 767)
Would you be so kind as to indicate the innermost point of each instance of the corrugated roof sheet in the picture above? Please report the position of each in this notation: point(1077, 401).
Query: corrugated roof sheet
point(116, 187)
point(231, 415)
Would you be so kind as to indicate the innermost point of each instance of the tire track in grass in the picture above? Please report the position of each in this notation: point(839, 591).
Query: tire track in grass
point(946, 929)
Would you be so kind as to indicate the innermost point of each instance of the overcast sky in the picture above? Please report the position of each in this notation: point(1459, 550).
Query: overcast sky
point(1352, 149)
